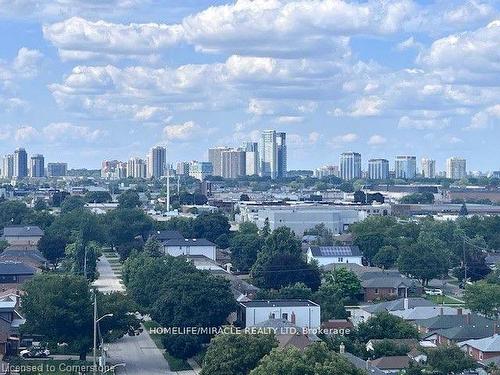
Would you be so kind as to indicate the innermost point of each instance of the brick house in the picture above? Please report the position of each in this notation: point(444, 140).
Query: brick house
point(482, 349)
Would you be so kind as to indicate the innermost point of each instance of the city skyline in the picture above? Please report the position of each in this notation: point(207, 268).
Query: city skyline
point(84, 81)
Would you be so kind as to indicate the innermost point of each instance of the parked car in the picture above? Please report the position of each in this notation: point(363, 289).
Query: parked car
point(434, 292)
point(35, 352)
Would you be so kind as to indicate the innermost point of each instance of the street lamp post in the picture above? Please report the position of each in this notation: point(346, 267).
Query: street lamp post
point(115, 366)
point(96, 320)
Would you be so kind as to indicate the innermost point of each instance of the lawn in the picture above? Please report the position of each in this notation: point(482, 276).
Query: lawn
point(445, 300)
point(176, 364)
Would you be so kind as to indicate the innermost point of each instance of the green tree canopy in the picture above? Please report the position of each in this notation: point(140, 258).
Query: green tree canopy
point(129, 199)
point(211, 226)
point(344, 281)
point(386, 326)
point(315, 360)
point(244, 249)
point(484, 298)
point(60, 308)
point(232, 354)
point(72, 203)
point(447, 360)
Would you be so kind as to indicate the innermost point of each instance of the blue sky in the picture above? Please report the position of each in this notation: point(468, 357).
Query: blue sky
point(87, 80)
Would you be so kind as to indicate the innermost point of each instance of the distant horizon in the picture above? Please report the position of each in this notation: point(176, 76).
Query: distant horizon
point(86, 81)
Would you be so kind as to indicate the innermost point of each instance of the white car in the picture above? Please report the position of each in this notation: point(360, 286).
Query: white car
point(434, 292)
point(34, 353)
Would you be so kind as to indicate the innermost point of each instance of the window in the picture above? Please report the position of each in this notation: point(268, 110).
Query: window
point(284, 316)
point(272, 316)
point(340, 260)
point(376, 291)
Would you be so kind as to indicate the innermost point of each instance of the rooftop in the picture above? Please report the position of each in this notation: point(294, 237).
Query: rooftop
point(279, 303)
point(10, 267)
point(22, 231)
point(487, 344)
point(188, 242)
point(335, 251)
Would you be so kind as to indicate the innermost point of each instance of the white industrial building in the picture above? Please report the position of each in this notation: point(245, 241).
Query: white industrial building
point(301, 217)
point(299, 312)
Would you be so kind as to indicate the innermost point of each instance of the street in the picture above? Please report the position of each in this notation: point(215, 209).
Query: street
point(107, 282)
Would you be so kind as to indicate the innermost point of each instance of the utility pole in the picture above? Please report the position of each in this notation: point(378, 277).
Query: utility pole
point(94, 351)
point(465, 261)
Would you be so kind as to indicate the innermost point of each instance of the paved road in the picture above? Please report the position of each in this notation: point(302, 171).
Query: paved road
point(108, 281)
point(140, 355)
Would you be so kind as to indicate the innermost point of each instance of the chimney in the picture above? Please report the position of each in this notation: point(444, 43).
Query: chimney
point(468, 318)
point(293, 318)
point(368, 364)
point(406, 304)
point(441, 311)
point(459, 311)
point(342, 348)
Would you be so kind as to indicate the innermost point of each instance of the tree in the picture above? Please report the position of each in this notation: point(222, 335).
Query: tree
point(232, 354)
point(387, 348)
point(52, 247)
point(360, 197)
point(247, 227)
point(72, 203)
point(181, 305)
point(332, 305)
point(324, 236)
point(98, 197)
point(152, 247)
point(129, 199)
point(386, 326)
point(81, 258)
point(448, 360)
point(59, 307)
point(418, 198)
point(13, 213)
point(463, 210)
point(146, 277)
point(345, 282)
point(281, 263)
point(40, 205)
point(277, 270)
point(211, 226)
point(314, 360)
point(369, 243)
point(182, 346)
point(483, 297)
point(295, 291)
point(426, 259)
point(121, 306)
point(3, 245)
point(244, 198)
point(244, 249)
point(386, 257)
point(266, 229)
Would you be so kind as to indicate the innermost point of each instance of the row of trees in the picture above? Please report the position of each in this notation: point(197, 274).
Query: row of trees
point(428, 249)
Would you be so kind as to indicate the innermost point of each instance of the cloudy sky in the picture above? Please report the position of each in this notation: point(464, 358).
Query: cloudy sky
point(86, 80)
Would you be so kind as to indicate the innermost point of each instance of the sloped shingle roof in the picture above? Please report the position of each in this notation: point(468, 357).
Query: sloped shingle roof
point(335, 251)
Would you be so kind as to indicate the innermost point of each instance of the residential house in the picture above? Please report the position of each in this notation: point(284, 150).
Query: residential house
point(408, 343)
point(453, 329)
point(302, 313)
point(10, 321)
point(288, 334)
point(426, 312)
point(190, 246)
point(482, 349)
point(360, 363)
point(450, 321)
point(28, 254)
point(334, 254)
point(393, 364)
point(22, 234)
point(362, 313)
point(14, 273)
point(388, 285)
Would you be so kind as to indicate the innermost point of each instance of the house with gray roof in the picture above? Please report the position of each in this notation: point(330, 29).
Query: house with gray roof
point(22, 234)
point(189, 246)
point(334, 254)
point(388, 285)
point(27, 254)
point(395, 307)
point(482, 349)
point(13, 272)
point(360, 363)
